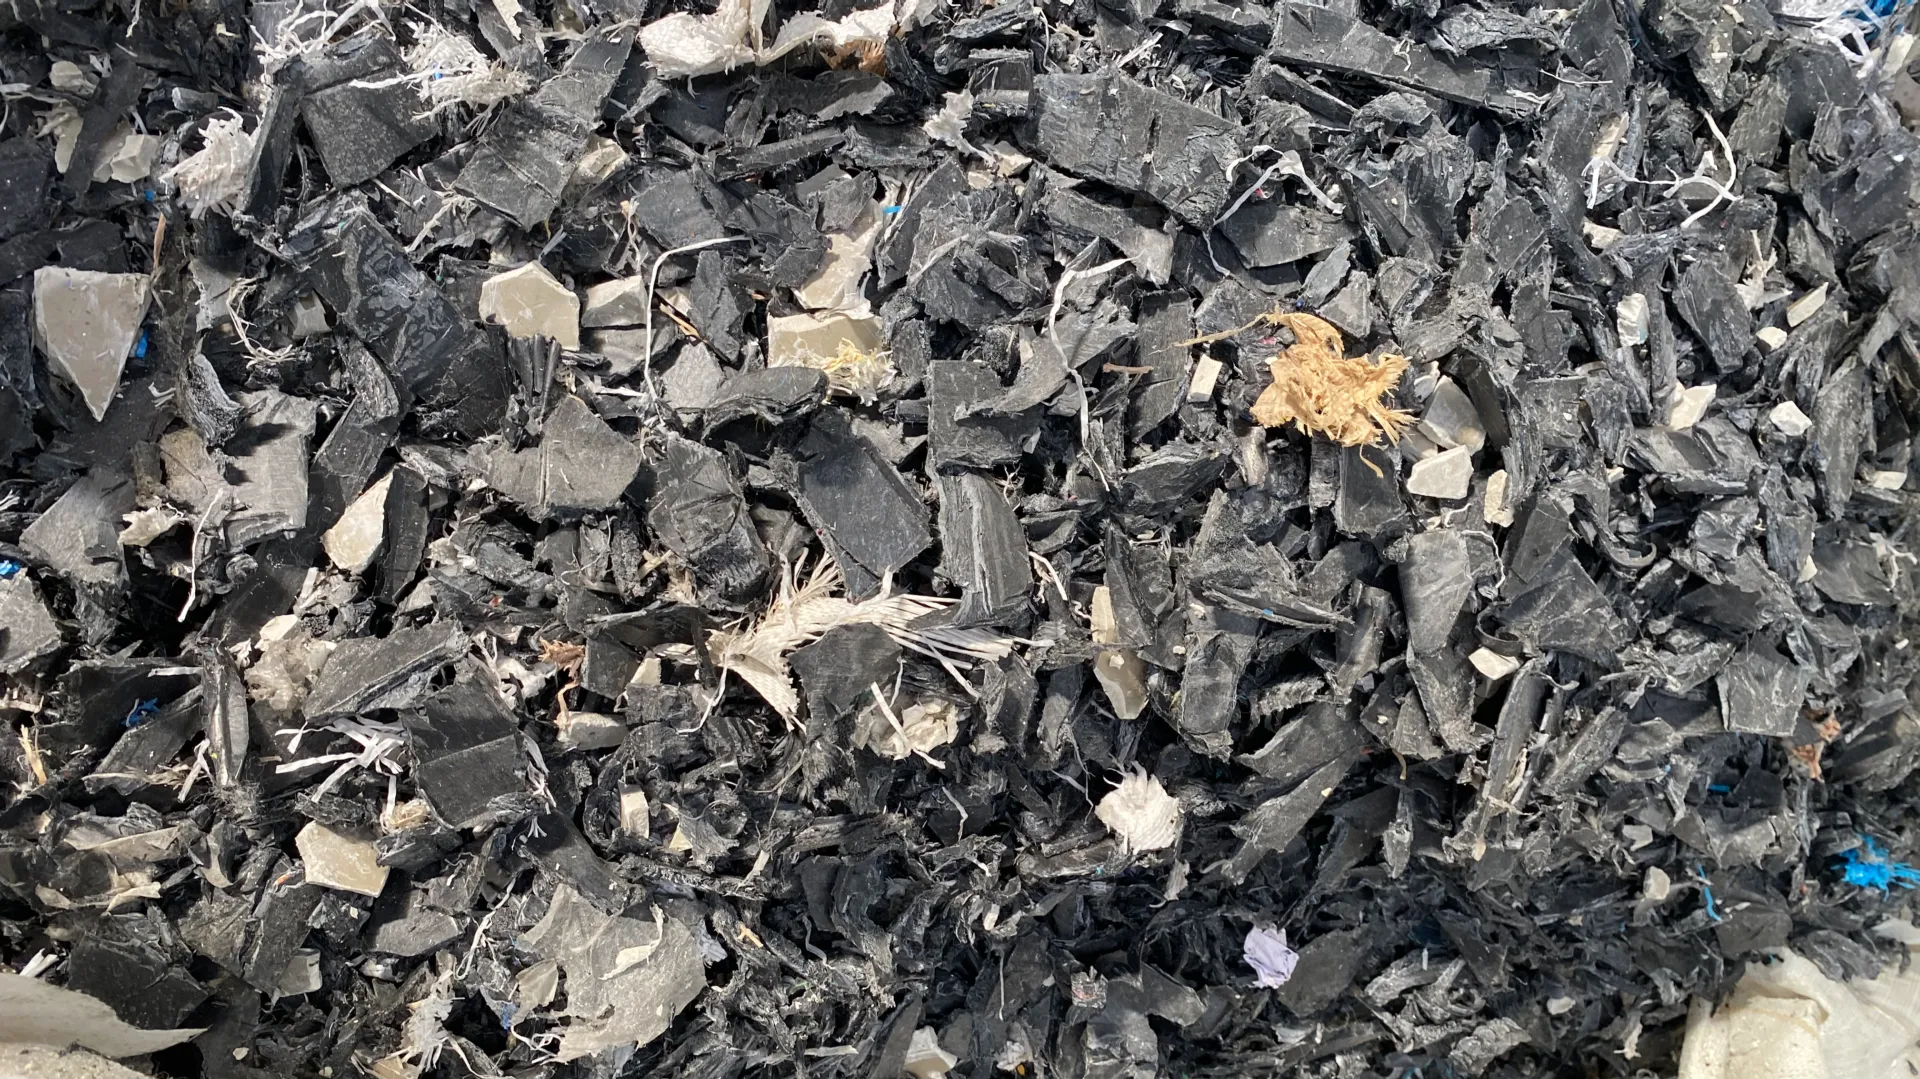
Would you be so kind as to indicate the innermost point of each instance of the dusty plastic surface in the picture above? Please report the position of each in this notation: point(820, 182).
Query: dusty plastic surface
point(1787, 1020)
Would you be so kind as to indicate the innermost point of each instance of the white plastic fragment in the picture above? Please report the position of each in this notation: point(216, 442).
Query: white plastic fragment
point(1141, 812)
point(1445, 475)
point(86, 323)
point(1804, 308)
point(309, 317)
point(1630, 320)
point(530, 302)
point(919, 728)
point(925, 1059)
point(1658, 885)
point(1492, 665)
point(1789, 420)
point(682, 45)
point(1773, 337)
point(63, 122)
point(1266, 951)
point(635, 815)
point(354, 539)
point(1787, 1020)
point(949, 125)
point(1885, 480)
point(1690, 405)
point(1451, 420)
point(128, 157)
point(302, 974)
point(33, 1012)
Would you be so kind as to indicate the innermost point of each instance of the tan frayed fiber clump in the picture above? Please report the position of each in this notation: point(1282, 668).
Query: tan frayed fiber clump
point(1324, 391)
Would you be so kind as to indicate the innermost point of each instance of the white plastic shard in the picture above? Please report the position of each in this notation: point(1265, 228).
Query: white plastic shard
point(1787, 1020)
point(35, 1013)
point(925, 1059)
point(1690, 405)
point(86, 323)
point(1141, 813)
point(353, 540)
point(530, 302)
point(1446, 475)
point(1787, 417)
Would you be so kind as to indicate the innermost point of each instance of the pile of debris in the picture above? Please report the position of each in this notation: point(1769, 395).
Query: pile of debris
point(1071, 539)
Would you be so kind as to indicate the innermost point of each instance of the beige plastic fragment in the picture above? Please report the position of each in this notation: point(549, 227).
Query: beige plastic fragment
point(1206, 374)
point(343, 862)
point(602, 158)
point(355, 539)
point(86, 323)
point(1119, 671)
point(590, 730)
point(1805, 307)
point(69, 77)
point(1773, 337)
point(35, 1013)
point(848, 348)
point(530, 302)
point(1786, 1020)
point(47, 1062)
point(128, 157)
point(1496, 510)
point(1446, 475)
point(620, 302)
point(836, 286)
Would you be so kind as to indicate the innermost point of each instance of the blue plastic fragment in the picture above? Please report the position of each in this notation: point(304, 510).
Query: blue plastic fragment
point(1867, 866)
point(892, 210)
point(140, 346)
point(1706, 892)
point(9, 569)
point(506, 1012)
point(143, 711)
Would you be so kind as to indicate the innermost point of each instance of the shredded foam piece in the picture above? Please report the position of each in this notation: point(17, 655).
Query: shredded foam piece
point(1319, 389)
point(448, 70)
point(684, 45)
point(216, 177)
point(1141, 813)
